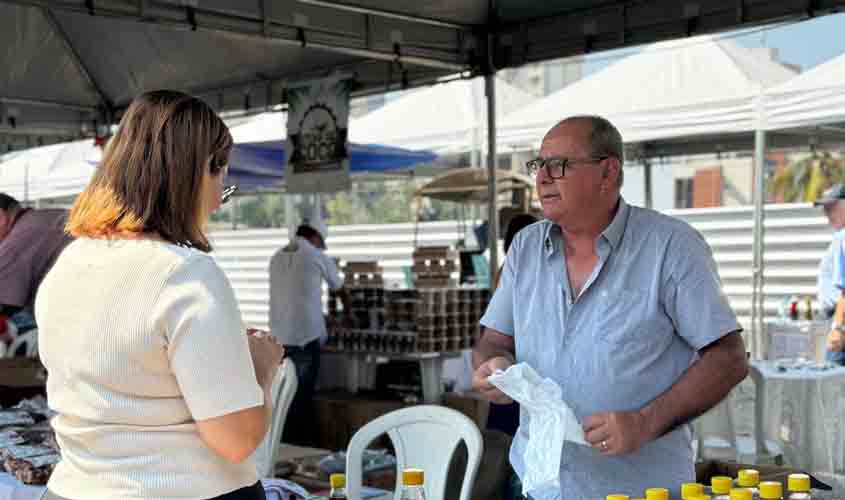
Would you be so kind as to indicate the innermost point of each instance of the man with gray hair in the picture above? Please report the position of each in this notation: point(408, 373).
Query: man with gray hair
point(623, 308)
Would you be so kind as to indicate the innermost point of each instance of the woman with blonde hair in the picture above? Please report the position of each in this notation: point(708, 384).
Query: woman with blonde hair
point(160, 391)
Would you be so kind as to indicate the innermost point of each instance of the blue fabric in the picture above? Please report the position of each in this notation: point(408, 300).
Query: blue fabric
point(654, 300)
point(262, 164)
point(838, 259)
point(837, 358)
point(828, 292)
point(24, 321)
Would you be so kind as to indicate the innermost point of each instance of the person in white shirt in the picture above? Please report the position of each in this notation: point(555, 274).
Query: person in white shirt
point(161, 393)
point(297, 273)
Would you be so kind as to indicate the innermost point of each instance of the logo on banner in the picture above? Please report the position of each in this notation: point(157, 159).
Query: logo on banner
point(318, 116)
point(321, 141)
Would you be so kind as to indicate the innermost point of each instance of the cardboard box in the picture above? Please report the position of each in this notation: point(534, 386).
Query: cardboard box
point(704, 471)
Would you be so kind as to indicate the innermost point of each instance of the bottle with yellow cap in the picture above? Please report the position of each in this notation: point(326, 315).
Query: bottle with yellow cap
point(799, 487)
point(690, 490)
point(657, 494)
point(741, 494)
point(721, 487)
point(771, 490)
point(616, 497)
point(338, 483)
point(413, 485)
point(750, 480)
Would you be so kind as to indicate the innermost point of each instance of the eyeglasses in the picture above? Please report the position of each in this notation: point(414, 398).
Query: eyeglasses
point(556, 167)
point(227, 194)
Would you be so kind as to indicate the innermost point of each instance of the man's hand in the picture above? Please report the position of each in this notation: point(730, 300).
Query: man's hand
point(488, 390)
point(618, 433)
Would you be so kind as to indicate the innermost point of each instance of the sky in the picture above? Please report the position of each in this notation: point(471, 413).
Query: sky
point(806, 43)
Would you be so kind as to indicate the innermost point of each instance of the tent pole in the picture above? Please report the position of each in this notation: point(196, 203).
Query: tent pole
point(758, 298)
point(493, 212)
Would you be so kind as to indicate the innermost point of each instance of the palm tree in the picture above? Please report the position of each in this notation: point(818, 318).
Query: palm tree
point(805, 180)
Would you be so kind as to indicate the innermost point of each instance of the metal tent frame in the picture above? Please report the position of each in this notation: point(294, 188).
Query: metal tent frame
point(71, 66)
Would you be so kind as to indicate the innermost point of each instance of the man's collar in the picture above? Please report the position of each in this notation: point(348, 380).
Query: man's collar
point(17, 216)
point(613, 233)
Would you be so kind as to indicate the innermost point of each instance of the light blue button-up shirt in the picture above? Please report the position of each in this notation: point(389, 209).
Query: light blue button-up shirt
point(832, 272)
point(653, 300)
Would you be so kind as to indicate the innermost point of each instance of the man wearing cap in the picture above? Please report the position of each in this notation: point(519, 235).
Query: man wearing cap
point(297, 272)
point(833, 203)
point(30, 242)
point(832, 269)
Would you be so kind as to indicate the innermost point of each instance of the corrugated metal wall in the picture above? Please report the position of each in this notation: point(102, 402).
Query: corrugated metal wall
point(796, 238)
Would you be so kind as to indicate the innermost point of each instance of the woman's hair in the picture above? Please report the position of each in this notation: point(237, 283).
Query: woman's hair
point(153, 173)
point(518, 222)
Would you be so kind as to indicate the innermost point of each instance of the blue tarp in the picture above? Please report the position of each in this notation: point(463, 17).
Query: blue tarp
point(262, 164)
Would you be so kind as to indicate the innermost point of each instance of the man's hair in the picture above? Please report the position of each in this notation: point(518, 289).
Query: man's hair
point(307, 232)
point(605, 139)
point(9, 204)
point(153, 174)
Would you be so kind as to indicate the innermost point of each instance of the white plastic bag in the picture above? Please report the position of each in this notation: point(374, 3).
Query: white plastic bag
point(551, 422)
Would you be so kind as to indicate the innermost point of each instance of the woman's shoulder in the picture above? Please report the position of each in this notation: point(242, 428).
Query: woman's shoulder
point(150, 256)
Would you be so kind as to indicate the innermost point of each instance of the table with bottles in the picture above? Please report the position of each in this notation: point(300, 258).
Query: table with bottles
point(801, 406)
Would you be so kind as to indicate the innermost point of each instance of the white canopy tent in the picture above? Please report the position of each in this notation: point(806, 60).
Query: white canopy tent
point(50, 172)
point(813, 98)
point(699, 86)
point(445, 119)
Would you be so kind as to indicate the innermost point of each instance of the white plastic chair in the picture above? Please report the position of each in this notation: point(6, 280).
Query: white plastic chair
point(424, 437)
point(29, 339)
point(762, 450)
point(715, 434)
point(283, 390)
point(716, 437)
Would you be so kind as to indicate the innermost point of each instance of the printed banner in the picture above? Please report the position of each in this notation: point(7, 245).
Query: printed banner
point(317, 148)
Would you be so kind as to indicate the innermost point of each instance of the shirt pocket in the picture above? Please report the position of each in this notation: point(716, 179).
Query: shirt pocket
point(622, 315)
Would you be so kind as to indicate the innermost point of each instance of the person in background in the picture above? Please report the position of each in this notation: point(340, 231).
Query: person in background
point(30, 242)
point(505, 417)
point(832, 273)
point(297, 272)
point(623, 308)
point(832, 202)
point(160, 391)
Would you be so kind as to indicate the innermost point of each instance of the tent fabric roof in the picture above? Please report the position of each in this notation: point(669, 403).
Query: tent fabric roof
point(54, 171)
point(441, 118)
point(62, 170)
point(469, 185)
point(70, 62)
point(708, 87)
point(815, 97)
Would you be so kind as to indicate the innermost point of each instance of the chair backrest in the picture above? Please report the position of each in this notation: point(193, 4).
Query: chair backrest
point(283, 390)
point(716, 433)
point(424, 437)
point(29, 340)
